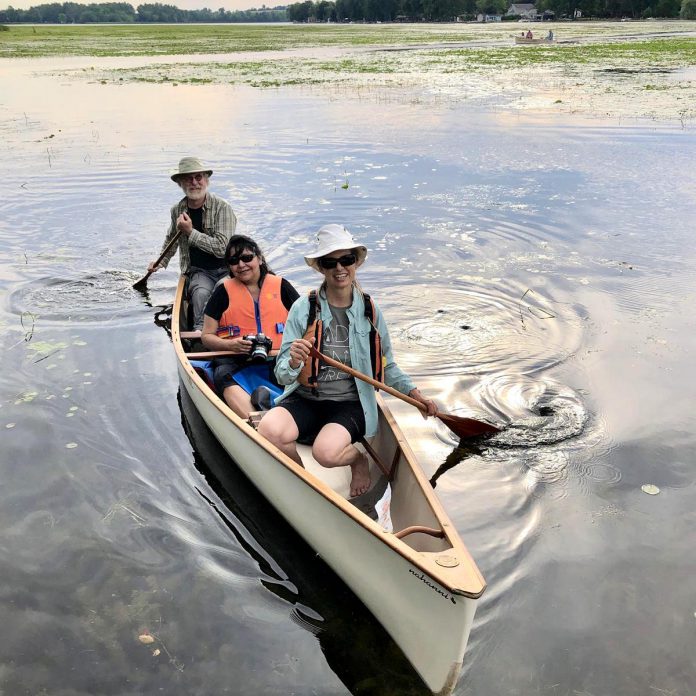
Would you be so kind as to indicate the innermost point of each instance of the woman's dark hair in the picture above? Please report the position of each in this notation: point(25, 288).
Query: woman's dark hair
point(236, 246)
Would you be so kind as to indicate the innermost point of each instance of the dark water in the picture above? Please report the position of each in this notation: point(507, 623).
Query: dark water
point(537, 270)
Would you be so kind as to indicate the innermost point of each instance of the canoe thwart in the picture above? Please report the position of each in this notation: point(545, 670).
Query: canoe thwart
point(419, 529)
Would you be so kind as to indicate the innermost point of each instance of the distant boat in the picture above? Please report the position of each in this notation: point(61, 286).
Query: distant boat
point(525, 40)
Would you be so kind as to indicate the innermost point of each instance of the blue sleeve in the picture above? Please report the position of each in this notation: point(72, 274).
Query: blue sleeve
point(394, 376)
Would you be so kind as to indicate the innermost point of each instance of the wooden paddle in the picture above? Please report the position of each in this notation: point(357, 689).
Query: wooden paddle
point(142, 283)
point(461, 427)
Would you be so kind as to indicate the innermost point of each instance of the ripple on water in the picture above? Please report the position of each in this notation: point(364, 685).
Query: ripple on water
point(92, 298)
point(538, 412)
point(482, 326)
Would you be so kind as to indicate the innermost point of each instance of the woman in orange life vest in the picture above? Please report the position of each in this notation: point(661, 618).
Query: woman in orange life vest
point(252, 300)
point(320, 402)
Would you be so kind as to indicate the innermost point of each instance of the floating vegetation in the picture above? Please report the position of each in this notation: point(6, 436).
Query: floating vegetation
point(650, 489)
point(604, 60)
point(26, 397)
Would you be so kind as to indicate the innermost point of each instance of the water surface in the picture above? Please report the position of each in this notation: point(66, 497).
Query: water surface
point(537, 270)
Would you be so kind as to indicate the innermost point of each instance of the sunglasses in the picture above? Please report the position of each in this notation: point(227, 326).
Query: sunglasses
point(247, 258)
point(327, 263)
point(192, 177)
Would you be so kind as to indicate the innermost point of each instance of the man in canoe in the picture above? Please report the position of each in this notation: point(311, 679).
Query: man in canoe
point(246, 315)
point(321, 403)
point(203, 224)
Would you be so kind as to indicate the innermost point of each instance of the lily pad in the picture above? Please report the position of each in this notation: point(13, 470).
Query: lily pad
point(26, 397)
point(46, 346)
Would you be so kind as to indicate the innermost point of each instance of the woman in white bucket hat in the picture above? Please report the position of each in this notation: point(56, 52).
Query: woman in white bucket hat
point(321, 403)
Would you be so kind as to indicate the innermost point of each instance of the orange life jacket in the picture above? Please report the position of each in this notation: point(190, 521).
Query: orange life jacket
point(310, 370)
point(241, 317)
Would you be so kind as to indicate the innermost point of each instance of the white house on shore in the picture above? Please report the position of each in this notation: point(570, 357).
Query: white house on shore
point(526, 10)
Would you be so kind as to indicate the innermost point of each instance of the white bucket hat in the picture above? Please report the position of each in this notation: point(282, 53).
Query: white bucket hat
point(333, 238)
point(190, 165)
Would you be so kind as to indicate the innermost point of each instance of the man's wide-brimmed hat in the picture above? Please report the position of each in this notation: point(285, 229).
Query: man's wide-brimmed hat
point(334, 238)
point(190, 165)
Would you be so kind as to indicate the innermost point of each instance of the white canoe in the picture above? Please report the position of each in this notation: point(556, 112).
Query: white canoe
point(421, 587)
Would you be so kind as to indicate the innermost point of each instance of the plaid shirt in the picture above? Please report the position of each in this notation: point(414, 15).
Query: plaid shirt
point(219, 223)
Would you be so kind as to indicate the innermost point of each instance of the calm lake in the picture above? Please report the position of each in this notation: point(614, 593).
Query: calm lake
point(538, 270)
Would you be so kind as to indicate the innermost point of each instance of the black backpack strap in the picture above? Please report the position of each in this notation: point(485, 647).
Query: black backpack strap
point(312, 319)
point(369, 308)
point(375, 340)
point(312, 314)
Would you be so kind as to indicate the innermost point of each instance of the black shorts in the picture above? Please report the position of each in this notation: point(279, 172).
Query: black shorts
point(225, 369)
point(311, 416)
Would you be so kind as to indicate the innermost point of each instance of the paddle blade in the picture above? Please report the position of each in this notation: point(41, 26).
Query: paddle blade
point(467, 427)
point(142, 283)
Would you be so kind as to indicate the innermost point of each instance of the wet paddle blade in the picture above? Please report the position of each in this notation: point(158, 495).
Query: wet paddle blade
point(142, 283)
point(467, 427)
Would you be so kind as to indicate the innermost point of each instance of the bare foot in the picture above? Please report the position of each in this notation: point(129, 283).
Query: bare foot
point(360, 481)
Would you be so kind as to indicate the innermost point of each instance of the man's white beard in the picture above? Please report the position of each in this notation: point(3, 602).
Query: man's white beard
point(196, 194)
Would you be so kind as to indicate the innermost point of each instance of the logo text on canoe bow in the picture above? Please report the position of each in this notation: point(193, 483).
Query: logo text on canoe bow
point(424, 578)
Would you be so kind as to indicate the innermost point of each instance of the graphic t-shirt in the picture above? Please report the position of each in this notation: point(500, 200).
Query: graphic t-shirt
point(334, 384)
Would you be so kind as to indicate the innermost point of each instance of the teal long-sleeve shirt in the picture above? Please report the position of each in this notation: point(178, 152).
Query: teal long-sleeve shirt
point(359, 341)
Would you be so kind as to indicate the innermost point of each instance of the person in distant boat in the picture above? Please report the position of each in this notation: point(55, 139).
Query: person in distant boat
point(549, 36)
point(529, 34)
point(206, 222)
point(321, 403)
point(251, 301)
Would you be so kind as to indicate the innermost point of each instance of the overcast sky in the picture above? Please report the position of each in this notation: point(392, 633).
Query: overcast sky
point(183, 4)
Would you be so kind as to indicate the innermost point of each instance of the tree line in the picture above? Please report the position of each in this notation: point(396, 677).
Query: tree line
point(449, 10)
point(339, 11)
point(124, 13)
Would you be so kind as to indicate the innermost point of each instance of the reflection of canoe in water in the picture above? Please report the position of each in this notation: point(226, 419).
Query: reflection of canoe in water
point(525, 40)
point(356, 648)
point(417, 578)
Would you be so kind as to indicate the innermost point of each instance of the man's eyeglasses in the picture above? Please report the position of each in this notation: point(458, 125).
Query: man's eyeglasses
point(327, 263)
point(188, 178)
point(247, 258)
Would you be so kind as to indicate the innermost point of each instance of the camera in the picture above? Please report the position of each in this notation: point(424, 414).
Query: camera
point(260, 345)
